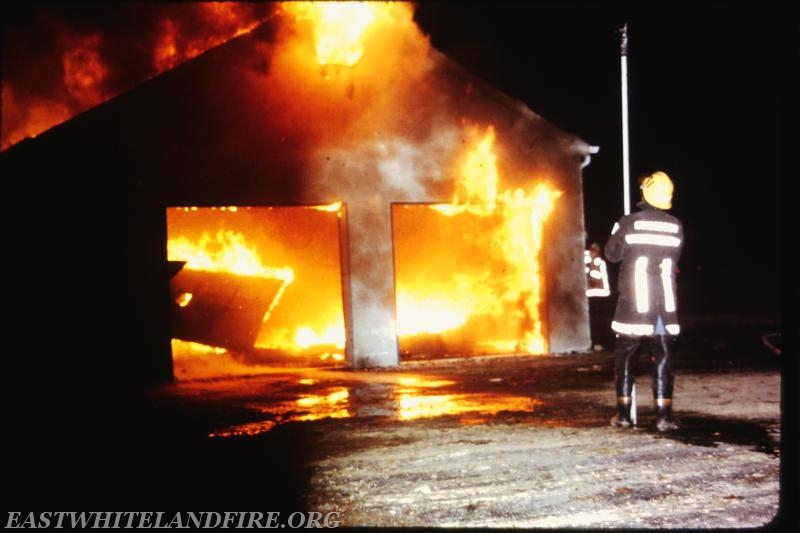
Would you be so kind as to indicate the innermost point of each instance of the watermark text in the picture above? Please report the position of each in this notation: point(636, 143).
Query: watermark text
point(179, 520)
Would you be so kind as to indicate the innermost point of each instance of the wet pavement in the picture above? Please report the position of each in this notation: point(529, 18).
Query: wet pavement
point(495, 441)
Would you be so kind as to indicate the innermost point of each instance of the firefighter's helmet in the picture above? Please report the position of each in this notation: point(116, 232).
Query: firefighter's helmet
point(657, 190)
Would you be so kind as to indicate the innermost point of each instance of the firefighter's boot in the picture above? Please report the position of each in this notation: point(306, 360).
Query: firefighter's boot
point(664, 420)
point(663, 347)
point(626, 350)
point(623, 417)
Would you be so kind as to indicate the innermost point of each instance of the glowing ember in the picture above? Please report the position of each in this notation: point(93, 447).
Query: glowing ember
point(184, 299)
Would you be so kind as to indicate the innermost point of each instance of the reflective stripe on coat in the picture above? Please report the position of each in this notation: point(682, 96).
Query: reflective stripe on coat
point(648, 242)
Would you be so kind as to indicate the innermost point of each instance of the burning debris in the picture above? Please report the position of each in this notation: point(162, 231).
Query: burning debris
point(227, 297)
point(220, 309)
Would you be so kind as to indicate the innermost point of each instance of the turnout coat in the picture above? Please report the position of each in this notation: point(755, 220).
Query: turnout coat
point(649, 244)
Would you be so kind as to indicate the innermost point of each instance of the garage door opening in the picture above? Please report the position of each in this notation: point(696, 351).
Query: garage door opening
point(468, 277)
point(255, 287)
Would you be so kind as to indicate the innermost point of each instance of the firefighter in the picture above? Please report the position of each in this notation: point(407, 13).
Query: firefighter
point(598, 290)
point(596, 272)
point(648, 242)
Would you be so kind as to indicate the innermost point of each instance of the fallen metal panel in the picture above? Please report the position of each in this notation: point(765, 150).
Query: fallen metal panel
point(224, 310)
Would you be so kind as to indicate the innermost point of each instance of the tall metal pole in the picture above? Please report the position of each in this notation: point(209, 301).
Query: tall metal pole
point(623, 50)
point(626, 174)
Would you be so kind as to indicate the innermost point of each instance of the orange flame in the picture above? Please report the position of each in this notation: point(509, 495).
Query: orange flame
point(522, 242)
point(477, 188)
point(225, 20)
point(335, 207)
point(306, 337)
point(232, 255)
point(230, 252)
point(165, 53)
point(89, 80)
point(84, 72)
point(418, 313)
point(511, 225)
point(339, 28)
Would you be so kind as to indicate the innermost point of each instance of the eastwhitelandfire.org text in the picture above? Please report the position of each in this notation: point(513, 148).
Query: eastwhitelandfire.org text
point(160, 519)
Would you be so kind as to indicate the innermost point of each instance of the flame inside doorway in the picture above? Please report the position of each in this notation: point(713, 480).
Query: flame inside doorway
point(259, 285)
point(468, 274)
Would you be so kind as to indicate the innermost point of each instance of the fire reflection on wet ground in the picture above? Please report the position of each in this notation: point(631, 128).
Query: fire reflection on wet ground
point(565, 391)
point(391, 395)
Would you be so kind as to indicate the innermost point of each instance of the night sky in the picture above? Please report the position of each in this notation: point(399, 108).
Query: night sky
point(711, 103)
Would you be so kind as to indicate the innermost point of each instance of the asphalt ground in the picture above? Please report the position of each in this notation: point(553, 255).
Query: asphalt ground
point(503, 441)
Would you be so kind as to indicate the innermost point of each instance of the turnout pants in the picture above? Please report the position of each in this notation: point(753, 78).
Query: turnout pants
point(626, 358)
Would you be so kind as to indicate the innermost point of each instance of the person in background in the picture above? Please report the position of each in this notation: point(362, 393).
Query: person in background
point(648, 244)
point(596, 272)
point(598, 290)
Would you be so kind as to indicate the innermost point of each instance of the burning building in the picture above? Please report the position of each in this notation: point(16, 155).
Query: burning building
point(327, 187)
